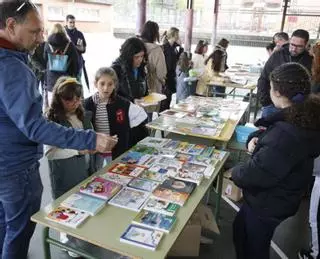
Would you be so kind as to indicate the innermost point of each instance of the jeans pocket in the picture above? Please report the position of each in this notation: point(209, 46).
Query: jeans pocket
point(12, 188)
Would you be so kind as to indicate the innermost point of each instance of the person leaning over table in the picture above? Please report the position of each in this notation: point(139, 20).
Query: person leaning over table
point(23, 128)
point(276, 176)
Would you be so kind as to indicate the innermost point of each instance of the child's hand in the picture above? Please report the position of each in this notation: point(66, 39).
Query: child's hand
point(252, 144)
point(105, 143)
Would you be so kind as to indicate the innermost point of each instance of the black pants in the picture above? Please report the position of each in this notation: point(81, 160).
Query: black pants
point(252, 234)
point(165, 104)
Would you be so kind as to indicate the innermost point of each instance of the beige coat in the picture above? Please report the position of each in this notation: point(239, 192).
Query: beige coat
point(205, 78)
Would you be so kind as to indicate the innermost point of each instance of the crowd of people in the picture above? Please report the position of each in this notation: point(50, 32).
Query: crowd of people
point(87, 134)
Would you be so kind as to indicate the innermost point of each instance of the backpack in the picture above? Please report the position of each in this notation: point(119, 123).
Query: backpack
point(58, 62)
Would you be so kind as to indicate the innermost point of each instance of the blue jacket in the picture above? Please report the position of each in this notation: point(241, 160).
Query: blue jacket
point(23, 129)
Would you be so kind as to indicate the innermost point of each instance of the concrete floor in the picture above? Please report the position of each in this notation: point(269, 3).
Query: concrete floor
point(290, 236)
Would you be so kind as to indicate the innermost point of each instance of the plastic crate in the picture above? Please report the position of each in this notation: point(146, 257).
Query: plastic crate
point(243, 132)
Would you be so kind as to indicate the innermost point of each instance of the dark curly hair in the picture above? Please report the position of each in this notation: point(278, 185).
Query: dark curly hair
point(65, 88)
point(150, 32)
point(129, 48)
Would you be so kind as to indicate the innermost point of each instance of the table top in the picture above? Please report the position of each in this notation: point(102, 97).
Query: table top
point(107, 226)
point(174, 125)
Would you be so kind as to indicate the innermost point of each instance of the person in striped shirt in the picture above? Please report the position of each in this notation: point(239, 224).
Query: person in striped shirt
point(115, 115)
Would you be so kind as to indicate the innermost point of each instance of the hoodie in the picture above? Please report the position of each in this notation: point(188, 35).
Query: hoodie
point(277, 175)
point(23, 128)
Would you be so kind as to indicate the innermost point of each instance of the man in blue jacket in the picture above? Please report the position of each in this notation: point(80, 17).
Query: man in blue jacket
point(23, 128)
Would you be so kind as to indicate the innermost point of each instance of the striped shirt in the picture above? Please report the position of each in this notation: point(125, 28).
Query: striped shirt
point(102, 121)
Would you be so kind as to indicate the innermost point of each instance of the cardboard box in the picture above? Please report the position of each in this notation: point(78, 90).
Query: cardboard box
point(188, 242)
point(229, 189)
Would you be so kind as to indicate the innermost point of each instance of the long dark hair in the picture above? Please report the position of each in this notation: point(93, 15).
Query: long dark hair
point(150, 32)
point(200, 47)
point(316, 63)
point(108, 71)
point(65, 88)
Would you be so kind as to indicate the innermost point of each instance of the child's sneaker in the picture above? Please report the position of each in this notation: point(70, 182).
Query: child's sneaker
point(304, 254)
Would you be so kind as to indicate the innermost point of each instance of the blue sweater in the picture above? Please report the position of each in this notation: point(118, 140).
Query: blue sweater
point(23, 129)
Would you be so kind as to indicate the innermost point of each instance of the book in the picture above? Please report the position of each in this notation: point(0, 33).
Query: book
point(68, 217)
point(152, 99)
point(144, 149)
point(169, 170)
point(117, 178)
point(208, 151)
point(142, 237)
point(126, 169)
point(154, 220)
point(85, 203)
point(158, 176)
point(133, 157)
point(184, 147)
point(191, 172)
point(185, 107)
point(178, 185)
point(170, 195)
point(154, 142)
point(100, 188)
point(129, 198)
point(160, 206)
point(143, 184)
point(218, 154)
point(197, 149)
point(173, 144)
point(174, 114)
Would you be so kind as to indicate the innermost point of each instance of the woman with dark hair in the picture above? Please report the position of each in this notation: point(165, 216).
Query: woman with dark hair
point(172, 50)
point(130, 69)
point(199, 56)
point(279, 171)
point(156, 63)
point(217, 62)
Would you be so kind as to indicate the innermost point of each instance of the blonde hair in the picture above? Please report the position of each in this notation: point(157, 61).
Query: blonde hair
point(58, 28)
point(171, 33)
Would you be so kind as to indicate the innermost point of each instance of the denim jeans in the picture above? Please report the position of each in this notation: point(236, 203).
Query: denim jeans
point(20, 198)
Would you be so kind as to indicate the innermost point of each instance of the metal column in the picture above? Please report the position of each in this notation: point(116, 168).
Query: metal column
point(189, 26)
point(284, 14)
point(141, 15)
point(215, 23)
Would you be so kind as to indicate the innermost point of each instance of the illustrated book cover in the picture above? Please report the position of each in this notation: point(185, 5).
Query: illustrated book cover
point(160, 206)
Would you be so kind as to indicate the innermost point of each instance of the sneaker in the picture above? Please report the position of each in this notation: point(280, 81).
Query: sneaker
point(305, 254)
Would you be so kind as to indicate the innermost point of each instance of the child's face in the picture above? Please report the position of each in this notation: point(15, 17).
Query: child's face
point(71, 105)
point(105, 86)
point(137, 59)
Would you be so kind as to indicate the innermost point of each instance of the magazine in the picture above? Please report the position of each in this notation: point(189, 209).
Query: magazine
point(100, 188)
point(141, 236)
point(126, 169)
point(154, 220)
point(143, 184)
point(85, 203)
point(129, 198)
point(160, 206)
point(117, 178)
point(68, 217)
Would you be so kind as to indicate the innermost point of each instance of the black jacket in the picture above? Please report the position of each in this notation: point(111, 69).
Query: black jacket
point(59, 43)
point(172, 55)
point(275, 178)
point(276, 59)
point(129, 87)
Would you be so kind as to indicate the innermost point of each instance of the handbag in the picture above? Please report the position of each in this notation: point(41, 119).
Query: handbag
point(58, 62)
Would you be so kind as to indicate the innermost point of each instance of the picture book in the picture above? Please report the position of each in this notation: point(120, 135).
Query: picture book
point(144, 149)
point(133, 157)
point(170, 195)
point(208, 151)
point(167, 161)
point(85, 203)
point(197, 149)
point(152, 99)
point(126, 169)
point(129, 198)
point(184, 147)
point(173, 144)
point(178, 185)
point(151, 161)
point(101, 188)
point(68, 217)
point(143, 237)
point(167, 152)
point(174, 114)
point(184, 157)
point(117, 178)
point(158, 176)
point(143, 184)
point(160, 206)
point(185, 107)
point(154, 142)
point(170, 170)
point(191, 172)
point(154, 220)
point(218, 154)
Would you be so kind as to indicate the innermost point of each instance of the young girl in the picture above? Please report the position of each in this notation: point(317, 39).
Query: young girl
point(68, 167)
point(277, 175)
point(115, 115)
point(184, 89)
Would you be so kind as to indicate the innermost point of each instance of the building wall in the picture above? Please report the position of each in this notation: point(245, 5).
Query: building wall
point(90, 17)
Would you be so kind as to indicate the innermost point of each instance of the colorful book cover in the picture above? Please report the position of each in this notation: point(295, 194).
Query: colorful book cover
point(183, 157)
point(85, 203)
point(191, 172)
point(154, 142)
point(171, 153)
point(170, 170)
point(218, 154)
point(101, 188)
point(173, 144)
point(143, 184)
point(117, 178)
point(154, 220)
point(159, 176)
point(68, 217)
point(133, 157)
point(144, 149)
point(160, 206)
point(129, 198)
point(142, 237)
point(151, 161)
point(178, 185)
point(184, 147)
point(167, 161)
point(170, 195)
point(208, 151)
point(126, 169)
point(197, 149)
point(185, 107)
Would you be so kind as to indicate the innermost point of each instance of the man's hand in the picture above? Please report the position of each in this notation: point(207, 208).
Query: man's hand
point(105, 143)
point(252, 144)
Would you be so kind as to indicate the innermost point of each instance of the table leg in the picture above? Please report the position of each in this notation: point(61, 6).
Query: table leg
point(46, 245)
point(218, 197)
point(256, 108)
point(249, 109)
